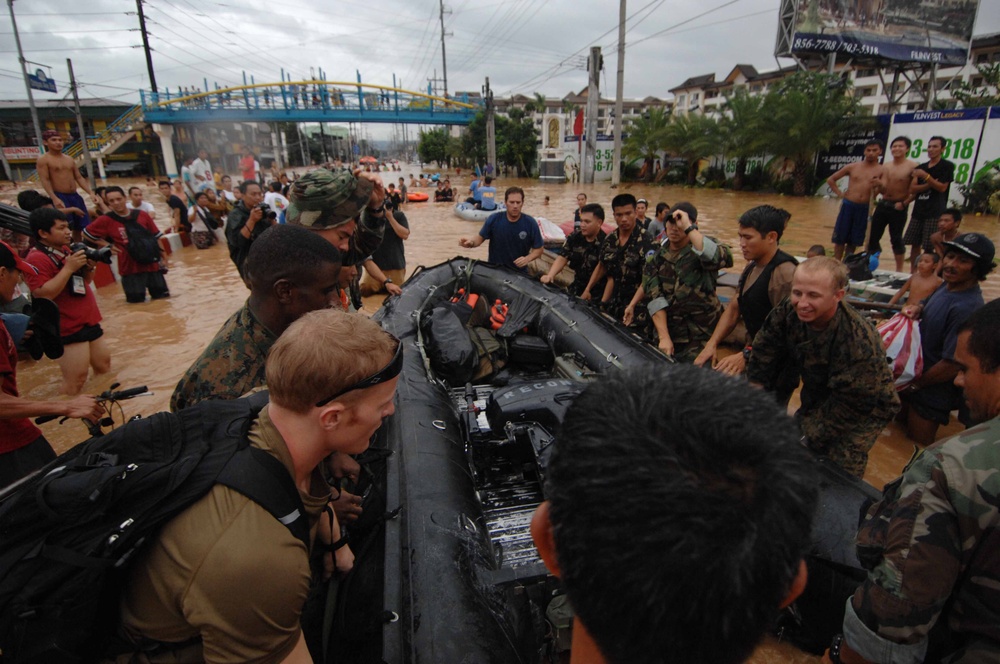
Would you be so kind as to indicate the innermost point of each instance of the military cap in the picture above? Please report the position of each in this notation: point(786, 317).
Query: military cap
point(327, 198)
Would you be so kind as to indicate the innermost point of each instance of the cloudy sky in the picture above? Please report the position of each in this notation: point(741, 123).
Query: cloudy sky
point(522, 45)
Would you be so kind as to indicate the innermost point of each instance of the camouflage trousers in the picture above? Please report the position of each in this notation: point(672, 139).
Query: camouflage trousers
point(850, 454)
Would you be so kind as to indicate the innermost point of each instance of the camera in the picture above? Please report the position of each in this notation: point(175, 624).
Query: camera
point(102, 255)
point(269, 214)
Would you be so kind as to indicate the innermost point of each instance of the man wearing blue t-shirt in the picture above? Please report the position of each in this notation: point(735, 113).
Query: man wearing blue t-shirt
point(474, 195)
point(514, 238)
point(487, 195)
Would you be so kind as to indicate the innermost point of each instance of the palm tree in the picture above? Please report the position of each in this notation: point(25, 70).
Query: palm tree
point(647, 138)
point(692, 137)
point(742, 130)
point(536, 105)
point(806, 114)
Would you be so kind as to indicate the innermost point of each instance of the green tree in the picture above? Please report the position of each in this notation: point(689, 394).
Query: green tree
point(536, 105)
point(692, 137)
point(805, 114)
point(517, 142)
point(976, 96)
point(647, 137)
point(474, 140)
point(433, 146)
point(741, 130)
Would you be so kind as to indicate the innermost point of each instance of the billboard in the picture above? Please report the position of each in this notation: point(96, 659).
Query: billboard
point(988, 160)
point(961, 129)
point(22, 153)
point(925, 31)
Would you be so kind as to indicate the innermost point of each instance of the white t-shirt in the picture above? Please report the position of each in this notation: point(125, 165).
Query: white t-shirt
point(146, 207)
point(229, 195)
point(277, 202)
point(196, 223)
point(204, 169)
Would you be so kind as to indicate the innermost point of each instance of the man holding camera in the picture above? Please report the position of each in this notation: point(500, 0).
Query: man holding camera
point(246, 223)
point(134, 238)
point(64, 274)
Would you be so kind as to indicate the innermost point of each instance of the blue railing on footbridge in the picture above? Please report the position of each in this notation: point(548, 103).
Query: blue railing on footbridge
point(307, 101)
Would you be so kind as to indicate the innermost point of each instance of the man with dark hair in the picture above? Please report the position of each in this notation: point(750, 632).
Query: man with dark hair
point(863, 180)
point(659, 223)
point(765, 282)
point(581, 251)
point(848, 396)
point(929, 185)
point(64, 276)
point(61, 177)
point(487, 195)
point(178, 210)
point(385, 269)
point(246, 223)
point(890, 211)
point(948, 224)
point(929, 399)
point(692, 563)
point(201, 171)
point(932, 543)
point(138, 274)
point(679, 283)
point(23, 448)
point(515, 239)
point(291, 271)
point(135, 202)
point(581, 200)
point(623, 255)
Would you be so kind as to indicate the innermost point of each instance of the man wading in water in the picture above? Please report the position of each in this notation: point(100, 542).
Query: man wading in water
point(852, 222)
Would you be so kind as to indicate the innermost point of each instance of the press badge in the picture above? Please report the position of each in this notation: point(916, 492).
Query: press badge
point(79, 287)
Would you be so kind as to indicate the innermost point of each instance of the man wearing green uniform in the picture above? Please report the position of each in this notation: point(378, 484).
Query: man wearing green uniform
point(848, 395)
point(932, 544)
point(679, 281)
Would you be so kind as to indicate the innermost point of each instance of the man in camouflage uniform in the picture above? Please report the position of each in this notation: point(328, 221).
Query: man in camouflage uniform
point(581, 251)
point(679, 283)
point(622, 257)
point(848, 395)
point(291, 271)
point(932, 544)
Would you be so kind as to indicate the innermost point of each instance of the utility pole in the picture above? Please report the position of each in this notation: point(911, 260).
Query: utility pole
point(80, 128)
point(594, 66)
point(27, 86)
point(145, 45)
point(444, 59)
point(616, 175)
point(491, 139)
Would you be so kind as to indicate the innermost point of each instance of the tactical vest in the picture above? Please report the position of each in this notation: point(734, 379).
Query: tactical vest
point(755, 304)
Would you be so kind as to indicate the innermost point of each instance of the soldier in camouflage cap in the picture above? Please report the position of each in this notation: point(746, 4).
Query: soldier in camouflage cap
point(932, 544)
point(848, 395)
point(346, 208)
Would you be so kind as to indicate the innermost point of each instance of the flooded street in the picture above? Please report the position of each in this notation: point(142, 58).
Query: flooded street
point(154, 343)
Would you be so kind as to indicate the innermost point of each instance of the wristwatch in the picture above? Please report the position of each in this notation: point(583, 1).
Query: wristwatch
point(746, 353)
point(387, 281)
point(835, 647)
point(692, 227)
point(380, 208)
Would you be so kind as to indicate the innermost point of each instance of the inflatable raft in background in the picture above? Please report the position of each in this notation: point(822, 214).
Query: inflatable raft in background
point(416, 197)
point(552, 234)
point(445, 567)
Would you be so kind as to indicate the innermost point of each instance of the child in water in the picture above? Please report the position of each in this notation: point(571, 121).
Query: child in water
point(923, 282)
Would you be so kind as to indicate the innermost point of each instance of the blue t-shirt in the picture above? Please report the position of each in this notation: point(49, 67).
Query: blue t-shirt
point(510, 240)
point(488, 197)
point(474, 189)
point(940, 319)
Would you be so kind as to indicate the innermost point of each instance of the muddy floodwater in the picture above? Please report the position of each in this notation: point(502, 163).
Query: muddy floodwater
point(153, 344)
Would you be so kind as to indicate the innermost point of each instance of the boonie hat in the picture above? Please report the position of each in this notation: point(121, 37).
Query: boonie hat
point(976, 245)
point(327, 198)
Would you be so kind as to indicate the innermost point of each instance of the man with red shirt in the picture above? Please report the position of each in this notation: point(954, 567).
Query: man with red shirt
point(64, 276)
point(247, 163)
point(110, 228)
point(23, 448)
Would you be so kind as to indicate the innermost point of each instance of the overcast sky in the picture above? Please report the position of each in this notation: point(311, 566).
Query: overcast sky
point(522, 45)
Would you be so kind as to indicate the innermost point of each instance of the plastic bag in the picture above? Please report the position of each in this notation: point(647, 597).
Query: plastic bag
point(901, 339)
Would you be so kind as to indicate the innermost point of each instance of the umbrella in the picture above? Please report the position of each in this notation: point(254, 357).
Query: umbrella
point(368, 160)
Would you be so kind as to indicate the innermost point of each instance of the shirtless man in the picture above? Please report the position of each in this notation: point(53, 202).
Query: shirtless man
point(948, 224)
point(852, 222)
point(891, 210)
point(60, 177)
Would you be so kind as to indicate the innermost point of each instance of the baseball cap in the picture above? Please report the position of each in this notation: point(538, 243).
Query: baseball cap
point(10, 259)
point(327, 198)
point(976, 245)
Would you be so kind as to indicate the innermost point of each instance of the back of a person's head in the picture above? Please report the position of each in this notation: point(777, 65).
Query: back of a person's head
point(764, 219)
point(287, 252)
point(30, 200)
point(275, 186)
point(678, 528)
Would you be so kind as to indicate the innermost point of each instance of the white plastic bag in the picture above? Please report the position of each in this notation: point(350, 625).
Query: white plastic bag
point(901, 338)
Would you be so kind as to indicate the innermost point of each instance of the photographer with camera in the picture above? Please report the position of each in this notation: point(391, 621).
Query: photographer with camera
point(248, 220)
point(134, 238)
point(64, 274)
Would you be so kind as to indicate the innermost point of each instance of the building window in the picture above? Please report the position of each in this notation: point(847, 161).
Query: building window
point(682, 100)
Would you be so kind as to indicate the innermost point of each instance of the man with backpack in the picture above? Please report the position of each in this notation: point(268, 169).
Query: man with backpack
point(135, 240)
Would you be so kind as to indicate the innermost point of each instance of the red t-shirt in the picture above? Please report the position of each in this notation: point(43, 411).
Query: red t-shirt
point(246, 166)
point(16, 433)
point(75, 311)
point(106, 228)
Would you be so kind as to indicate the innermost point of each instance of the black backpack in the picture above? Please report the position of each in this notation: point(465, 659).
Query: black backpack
point(142, 246)
point(68, 534)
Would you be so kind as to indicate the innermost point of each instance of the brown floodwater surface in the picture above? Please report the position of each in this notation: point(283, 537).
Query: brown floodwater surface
point(154, 343)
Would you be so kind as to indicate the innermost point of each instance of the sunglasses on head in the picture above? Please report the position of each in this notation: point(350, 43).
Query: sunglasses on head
point(383, 375)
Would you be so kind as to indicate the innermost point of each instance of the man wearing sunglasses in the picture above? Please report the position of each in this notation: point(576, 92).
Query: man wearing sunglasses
point(227, 580)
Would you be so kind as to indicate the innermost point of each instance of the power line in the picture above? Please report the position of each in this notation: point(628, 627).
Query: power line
point(65, 50)
point(685, 22)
